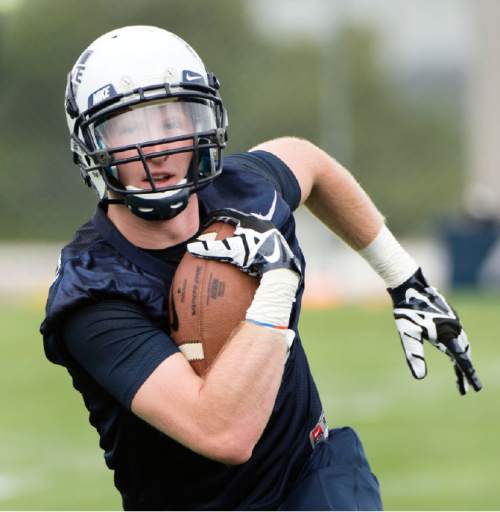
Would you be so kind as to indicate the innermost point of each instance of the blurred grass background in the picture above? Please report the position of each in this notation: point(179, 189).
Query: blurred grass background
point(431, 448)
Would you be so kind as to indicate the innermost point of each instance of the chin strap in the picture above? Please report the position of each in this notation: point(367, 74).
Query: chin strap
point(164, 208)
point(157, 209)
point(106, 200)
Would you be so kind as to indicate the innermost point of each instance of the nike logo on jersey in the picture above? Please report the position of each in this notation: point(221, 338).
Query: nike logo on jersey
point(270, 213)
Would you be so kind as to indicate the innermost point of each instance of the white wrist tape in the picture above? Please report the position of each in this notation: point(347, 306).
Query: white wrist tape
point(386, 256)
point(274, 298)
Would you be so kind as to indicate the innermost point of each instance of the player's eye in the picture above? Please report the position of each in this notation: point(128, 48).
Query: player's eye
point(171, 124)
point(125, 129)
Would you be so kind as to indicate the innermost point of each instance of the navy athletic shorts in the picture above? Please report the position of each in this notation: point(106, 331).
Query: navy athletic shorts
point(337, 476)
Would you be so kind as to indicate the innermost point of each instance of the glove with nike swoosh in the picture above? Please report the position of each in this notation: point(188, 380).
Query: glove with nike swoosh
point(421, 312)
point(260, 250)
point(256, 246)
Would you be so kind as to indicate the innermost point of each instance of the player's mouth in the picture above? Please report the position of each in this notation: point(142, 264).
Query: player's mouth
point(160, 180)
point(152, 195)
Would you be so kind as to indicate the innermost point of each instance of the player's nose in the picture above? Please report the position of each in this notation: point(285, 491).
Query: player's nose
point(158, 151)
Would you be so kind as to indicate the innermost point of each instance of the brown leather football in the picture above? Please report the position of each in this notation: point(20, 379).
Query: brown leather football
point(208, 299)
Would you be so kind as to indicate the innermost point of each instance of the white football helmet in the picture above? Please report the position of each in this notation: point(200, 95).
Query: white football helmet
point(146, 120)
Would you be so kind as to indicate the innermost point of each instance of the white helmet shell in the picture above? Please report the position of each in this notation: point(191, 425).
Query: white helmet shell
point(132, 57)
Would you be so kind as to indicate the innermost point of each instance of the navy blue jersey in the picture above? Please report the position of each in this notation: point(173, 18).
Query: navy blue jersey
point(153, 471)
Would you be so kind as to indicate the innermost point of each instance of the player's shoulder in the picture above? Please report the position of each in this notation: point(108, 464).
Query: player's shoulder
point(87, 247)
point(259, 167)
point(84, 239)
point(76, 268)
point(254, 182)
point(99, 262)
point(253, 160)
point(91, 268)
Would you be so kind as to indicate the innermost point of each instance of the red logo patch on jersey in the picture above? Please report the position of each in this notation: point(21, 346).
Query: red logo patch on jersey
point(319, 432)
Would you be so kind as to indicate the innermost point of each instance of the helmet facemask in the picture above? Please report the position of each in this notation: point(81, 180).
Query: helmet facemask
point(152, 155)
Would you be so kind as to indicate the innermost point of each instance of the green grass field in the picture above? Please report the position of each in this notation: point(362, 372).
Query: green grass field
point(431, 448)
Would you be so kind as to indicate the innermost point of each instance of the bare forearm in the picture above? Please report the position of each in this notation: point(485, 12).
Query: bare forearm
point(329, 190)
point(338, 200)
point(241, 387)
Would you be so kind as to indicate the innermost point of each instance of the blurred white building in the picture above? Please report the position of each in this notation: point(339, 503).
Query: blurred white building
point(415, 34)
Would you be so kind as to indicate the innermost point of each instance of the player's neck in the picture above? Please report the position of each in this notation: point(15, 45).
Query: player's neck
point(158, 234)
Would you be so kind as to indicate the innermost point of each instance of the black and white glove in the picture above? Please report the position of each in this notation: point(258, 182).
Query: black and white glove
point(260, 250)
point(256, 246)
point(421, 312)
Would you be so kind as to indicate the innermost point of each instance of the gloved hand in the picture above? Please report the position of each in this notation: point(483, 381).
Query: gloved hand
point(256, 246)
point(421, 312)
point(260, 250)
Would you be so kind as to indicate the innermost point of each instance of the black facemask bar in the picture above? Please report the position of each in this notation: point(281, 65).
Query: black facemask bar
point(201, 148)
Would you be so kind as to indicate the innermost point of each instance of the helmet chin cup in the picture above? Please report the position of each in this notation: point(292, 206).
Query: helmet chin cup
point(163, 208)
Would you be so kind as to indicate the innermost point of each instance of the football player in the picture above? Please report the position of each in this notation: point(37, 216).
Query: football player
point(148, 129)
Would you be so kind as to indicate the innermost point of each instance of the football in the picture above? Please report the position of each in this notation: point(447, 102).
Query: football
point(208, 299)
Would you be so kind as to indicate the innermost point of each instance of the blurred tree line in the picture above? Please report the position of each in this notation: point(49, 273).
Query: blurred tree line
point(405, 150)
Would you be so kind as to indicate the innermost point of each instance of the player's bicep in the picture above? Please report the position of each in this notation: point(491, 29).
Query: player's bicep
point(302, 157)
